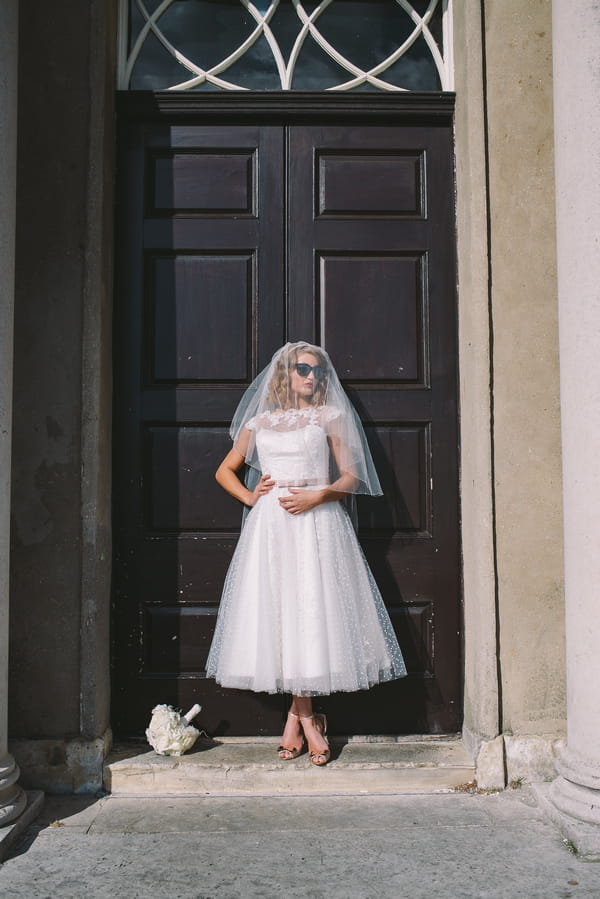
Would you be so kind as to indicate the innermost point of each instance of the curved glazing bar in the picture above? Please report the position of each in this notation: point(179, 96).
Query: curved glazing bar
point(336, 45)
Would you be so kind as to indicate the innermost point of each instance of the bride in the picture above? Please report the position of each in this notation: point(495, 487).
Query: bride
point(300, 611)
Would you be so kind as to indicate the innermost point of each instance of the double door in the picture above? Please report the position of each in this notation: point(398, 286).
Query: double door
point(234, 238)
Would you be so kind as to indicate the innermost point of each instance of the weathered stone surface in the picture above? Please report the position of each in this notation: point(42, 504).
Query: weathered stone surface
point(61, 766)
point(490, 770)
point(242, 768)
point(530, 759)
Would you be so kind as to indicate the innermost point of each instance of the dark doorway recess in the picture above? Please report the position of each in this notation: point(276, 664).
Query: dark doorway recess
point(245, 221)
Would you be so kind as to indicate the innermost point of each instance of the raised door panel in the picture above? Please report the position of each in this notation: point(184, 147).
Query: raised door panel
point(210, 182)
point(199, 304)
point(368, 185)
point(383, 309)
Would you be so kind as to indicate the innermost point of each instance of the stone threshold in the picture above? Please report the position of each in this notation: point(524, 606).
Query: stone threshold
point(249, 766)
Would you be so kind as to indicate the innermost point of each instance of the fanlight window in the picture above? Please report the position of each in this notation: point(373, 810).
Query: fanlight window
point(334, 45)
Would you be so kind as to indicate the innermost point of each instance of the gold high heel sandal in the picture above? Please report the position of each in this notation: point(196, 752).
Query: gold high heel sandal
point(321, 757)
point(290, 753)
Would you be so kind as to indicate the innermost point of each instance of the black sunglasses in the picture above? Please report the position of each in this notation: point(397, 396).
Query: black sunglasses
point(304, 369)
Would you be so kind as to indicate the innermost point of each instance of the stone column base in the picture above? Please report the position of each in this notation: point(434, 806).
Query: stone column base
point(12, 798)
point(9, 834)
point(584, 837)
point(576, 790)
point(577, 801)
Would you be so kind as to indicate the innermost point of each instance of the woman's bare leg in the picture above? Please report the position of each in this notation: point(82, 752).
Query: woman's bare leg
point(312, 727)
point(292, 738)
point(300, 724)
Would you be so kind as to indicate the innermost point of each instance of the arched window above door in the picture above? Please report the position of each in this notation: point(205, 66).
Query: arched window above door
point(333, 45)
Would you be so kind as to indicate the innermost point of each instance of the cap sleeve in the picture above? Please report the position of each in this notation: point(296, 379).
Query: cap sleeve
point(329, 413)
point(330, 418)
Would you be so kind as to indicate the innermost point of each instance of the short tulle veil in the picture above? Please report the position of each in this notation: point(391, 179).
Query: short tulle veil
point(269, 402)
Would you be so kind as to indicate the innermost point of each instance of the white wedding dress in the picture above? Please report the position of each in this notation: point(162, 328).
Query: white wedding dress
point(300, 612)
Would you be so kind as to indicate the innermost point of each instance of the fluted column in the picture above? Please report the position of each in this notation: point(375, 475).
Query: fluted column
point(576, 38)
point(12, 798)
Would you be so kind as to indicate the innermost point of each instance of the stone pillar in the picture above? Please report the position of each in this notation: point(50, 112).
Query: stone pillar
point(12, 798)
point(575, 794)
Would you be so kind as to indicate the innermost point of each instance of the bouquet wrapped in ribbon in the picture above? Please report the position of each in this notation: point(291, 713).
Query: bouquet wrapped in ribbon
point(171, 733)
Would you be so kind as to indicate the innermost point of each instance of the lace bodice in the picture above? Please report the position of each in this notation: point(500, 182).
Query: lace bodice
point(292, 444)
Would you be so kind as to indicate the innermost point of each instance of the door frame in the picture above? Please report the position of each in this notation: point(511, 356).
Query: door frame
point(241, 107)
point(316, 108)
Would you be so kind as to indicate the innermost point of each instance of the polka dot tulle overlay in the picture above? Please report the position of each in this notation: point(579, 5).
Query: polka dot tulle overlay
point(301, 612)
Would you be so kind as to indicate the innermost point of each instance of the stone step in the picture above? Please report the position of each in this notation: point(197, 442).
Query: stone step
point(249, 766)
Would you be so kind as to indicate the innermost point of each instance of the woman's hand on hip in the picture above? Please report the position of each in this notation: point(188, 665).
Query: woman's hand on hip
point(300, 500)
point(264, 486)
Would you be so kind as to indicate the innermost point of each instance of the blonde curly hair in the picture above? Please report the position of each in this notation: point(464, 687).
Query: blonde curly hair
point(279, 393)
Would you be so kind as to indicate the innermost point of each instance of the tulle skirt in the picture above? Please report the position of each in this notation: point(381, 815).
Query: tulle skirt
point(301, 612)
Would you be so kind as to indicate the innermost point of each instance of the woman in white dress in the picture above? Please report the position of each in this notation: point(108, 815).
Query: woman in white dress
point(300, 611)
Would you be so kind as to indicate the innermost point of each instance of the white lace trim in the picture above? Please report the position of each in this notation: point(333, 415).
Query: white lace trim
point(281, 419)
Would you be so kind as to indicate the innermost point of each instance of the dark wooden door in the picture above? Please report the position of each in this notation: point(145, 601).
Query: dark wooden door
point(232, 239)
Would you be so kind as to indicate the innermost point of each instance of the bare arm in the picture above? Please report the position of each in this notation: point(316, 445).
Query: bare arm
point(346, 483)
point(227, 476)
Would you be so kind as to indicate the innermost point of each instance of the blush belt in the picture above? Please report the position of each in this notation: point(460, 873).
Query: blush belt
point(301, 482)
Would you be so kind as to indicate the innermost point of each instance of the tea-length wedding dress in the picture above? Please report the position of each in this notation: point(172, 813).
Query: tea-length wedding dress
point(300, 612)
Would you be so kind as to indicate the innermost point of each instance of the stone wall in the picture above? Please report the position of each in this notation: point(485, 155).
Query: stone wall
point(510, 427)
point(61, 446)
point(525, 388)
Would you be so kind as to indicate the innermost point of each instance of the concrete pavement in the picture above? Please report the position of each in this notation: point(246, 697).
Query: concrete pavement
point(409, 845)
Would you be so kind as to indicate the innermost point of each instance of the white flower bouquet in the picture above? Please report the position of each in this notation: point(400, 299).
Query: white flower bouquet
point(169, 732)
